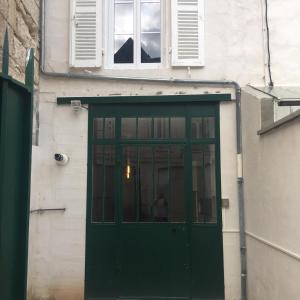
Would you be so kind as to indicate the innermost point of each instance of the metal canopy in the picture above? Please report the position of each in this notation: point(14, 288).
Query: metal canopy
point(285, 96)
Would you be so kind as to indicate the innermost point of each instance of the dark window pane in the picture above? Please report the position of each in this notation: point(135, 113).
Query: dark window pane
point(130, 189)
point(150, 48)
point(123, 49)
point(144, 128)
point(161, 128)
point(109, 128)
point(204, 183)
point(177, 128)
point(203, 127)
point(177, 199)
point(98, 128)
point(128, 130)
point(145, 183)
point(103, 184)
point(161, 187)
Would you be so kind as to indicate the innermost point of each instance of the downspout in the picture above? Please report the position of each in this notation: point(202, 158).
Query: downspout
point(221, 83)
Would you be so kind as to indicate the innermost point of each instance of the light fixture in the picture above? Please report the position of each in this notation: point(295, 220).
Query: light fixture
point(128, 170)
point(76, 105)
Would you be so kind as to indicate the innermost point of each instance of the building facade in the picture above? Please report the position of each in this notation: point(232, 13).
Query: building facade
point(150, 202)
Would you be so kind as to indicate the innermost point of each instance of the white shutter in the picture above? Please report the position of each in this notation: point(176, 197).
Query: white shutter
point(187, 32)
point(86, 38)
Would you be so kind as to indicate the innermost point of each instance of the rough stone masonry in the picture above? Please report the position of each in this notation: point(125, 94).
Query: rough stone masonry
point(21, 19)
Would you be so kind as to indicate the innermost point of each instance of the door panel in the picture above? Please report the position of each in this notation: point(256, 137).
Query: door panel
point(153, 214)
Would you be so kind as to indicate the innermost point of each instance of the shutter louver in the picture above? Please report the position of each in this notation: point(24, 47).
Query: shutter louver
point(86, 37)
point(187, 32)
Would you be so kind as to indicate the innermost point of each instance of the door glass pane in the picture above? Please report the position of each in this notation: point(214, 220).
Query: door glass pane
point(161, 128)
point(109, 132)
point(161, 184)
point(144, 128)
point(130, 190)
point(103, 184)
point(177, 128)
point(104, 128)
point(203, 127)
point(204, 183)
point(128, 130)
point(145, 184)
point(98, 128)
point(177, 199)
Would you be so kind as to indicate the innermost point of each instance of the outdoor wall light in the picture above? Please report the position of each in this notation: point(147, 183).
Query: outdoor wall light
point(76, 105)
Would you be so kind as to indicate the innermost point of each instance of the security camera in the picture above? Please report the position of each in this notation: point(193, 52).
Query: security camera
point(61, 159)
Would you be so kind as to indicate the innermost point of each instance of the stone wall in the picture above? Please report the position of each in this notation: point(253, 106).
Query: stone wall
point(21, 18)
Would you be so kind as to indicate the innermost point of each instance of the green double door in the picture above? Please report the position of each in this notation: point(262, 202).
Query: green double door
point(154, 227)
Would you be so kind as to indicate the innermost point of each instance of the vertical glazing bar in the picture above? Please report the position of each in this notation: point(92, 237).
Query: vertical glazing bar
point(153, 185)
point(104, 183)
point(169, 185)
point(203, 184)
point(137, 184)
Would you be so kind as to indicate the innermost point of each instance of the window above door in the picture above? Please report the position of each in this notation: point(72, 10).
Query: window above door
point(136, 34)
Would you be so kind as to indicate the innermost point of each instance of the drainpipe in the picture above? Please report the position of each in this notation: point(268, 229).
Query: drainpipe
point(220, 83)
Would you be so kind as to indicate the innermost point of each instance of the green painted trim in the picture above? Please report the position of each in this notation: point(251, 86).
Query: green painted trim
point(146, 99)
point(15, 83)
point(5, 55)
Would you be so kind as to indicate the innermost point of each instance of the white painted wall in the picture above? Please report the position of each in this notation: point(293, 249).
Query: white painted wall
point(234, 50)
point(272, 189)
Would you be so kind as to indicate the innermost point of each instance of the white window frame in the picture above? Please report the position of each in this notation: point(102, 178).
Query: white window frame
point(108, 38)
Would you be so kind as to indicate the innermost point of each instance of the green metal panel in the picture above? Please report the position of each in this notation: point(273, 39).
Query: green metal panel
point(151, 260)
point(15, 162)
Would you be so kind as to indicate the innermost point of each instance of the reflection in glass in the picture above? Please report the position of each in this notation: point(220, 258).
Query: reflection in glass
point(144, 128)
point(123, 49)
point(103, 189)
point(98, 128)
point(161, 128)
point(204, 183)
point(124, 18)
point(177, 128)
point(161, 187)
point(109, 132)
point(145, 185)
point(128, 130)
point(130, 188)
point(176, 207)
point(150, 50)
point(150, 17)
point(203, 127)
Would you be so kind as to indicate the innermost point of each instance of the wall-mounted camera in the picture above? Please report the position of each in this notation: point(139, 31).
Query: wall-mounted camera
point(61, 159)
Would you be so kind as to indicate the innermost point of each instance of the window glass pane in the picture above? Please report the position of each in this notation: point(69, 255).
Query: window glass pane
point(161, 128)
point(109, 128)
point(150, 47)
point(145, 183)
point(130, 188)
point(161, 184)
point(177, 128)
point(150, 17)
point(204, 183)
point(98, 128)
point(124, 18)
point(144, 128)
point(203, 127)
point(123, 49)
point(177, 200)
point(103, 184)
point(128, 130)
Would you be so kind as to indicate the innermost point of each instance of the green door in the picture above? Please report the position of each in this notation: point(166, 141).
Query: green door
point(153, 213)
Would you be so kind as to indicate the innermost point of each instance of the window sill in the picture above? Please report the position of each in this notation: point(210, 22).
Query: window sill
point(279, 123)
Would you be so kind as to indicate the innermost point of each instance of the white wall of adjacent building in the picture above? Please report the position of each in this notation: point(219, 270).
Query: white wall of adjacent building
point(234, 50)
